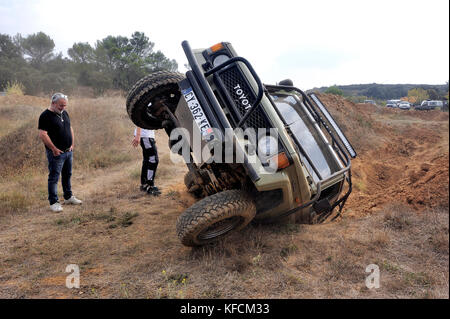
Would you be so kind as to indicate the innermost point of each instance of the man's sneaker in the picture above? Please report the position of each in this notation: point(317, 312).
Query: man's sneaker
point(56, 207)
point(148, 188)
point(153, 190)
point(73, 201)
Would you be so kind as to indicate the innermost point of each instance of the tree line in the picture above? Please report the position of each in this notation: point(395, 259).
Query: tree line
point(115, 62)
point(416, 92)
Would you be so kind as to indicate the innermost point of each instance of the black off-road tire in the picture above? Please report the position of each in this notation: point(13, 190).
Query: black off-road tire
point(161, 84)
point(214, 217)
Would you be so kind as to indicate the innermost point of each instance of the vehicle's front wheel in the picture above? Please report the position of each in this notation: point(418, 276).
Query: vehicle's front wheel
point(214, 217)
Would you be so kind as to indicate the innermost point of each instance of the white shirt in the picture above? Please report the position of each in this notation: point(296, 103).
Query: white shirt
point(146, 133)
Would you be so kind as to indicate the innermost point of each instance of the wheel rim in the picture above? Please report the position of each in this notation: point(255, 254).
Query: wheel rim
point(220, 228)
point(168, 99)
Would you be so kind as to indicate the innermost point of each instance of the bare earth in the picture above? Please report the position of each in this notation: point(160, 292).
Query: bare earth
point(125, 242)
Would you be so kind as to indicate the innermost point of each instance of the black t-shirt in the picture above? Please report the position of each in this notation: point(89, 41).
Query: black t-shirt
point(57, 127)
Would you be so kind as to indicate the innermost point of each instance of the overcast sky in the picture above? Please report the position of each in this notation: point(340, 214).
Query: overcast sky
point(315, 43)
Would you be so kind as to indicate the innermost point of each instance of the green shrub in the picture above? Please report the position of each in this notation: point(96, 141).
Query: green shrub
point(334, 90)
point(14, 88)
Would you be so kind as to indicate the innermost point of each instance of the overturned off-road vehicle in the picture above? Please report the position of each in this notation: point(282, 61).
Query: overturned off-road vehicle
point(289, 159)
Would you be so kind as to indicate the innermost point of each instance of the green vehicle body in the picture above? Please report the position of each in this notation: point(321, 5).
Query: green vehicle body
point(313, 183)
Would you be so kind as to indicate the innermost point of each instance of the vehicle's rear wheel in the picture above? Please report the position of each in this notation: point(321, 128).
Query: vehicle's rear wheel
point(148, 97)
point(214, 217)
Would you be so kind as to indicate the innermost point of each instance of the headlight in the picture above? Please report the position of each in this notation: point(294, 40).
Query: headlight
point(269, 156)
point(267, 147)
point(218, 60)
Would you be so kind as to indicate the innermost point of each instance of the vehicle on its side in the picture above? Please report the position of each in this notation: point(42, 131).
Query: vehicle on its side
point(309, 179)
point(370, 102)
point(429, 105)
point(392, 103)
point(404, 105)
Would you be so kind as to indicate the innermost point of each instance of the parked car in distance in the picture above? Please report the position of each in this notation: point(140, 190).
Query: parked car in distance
point(392, 103)
point(429, 105)
point(404, 105)
point(370, 102)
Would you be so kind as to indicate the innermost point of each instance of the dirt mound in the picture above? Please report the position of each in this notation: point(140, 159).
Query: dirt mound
point(427, 185)
point(357, 121)
point(402, 155)
point(19, 143)
point(21, 148)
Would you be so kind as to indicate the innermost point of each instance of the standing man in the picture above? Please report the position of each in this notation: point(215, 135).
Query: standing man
point(56, 133)
point(146, 138)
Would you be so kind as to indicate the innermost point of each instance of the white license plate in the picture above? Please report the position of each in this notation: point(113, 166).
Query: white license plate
point(197, 112)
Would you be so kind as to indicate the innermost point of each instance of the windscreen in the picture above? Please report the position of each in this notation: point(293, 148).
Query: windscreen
point(304, 131)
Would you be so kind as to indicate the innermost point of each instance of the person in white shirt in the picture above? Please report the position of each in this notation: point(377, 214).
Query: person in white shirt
point(146, 138)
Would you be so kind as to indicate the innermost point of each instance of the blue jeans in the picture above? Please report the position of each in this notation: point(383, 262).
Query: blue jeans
point(59, 165)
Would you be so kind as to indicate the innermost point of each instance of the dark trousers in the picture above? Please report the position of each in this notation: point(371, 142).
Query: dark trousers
point(59, 165)
point(150, 161)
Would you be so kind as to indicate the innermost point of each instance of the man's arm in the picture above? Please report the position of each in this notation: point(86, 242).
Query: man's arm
point(137, 138)
point(73, 139)
point(48, 142)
